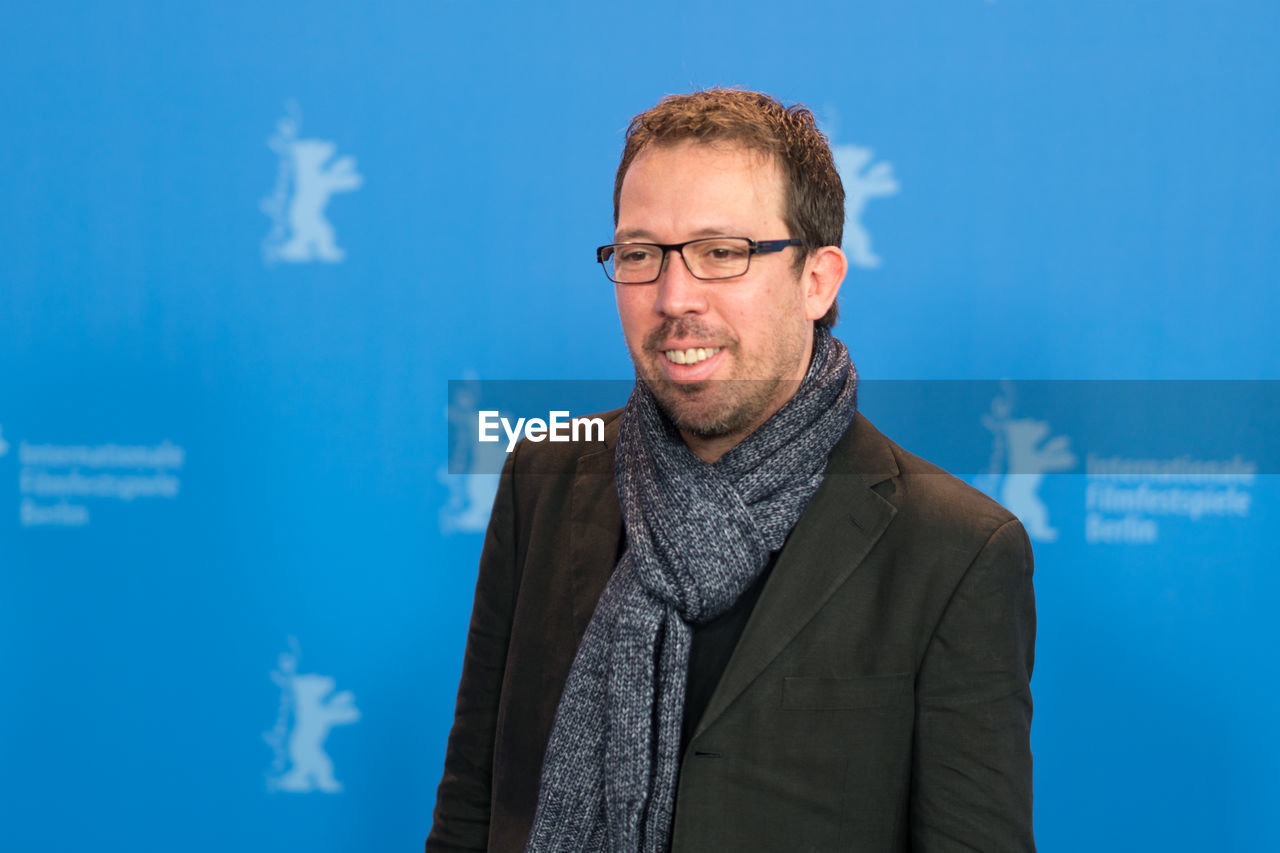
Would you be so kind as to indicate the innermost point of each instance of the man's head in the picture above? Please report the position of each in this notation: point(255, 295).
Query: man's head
point(813, 194)
point(722, 356)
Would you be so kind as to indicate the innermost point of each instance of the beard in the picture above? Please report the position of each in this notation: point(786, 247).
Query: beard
point(716, 408)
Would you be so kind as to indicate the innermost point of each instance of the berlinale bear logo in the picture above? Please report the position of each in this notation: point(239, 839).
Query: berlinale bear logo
point(1022, 453)
point(862, 182)
point(307, 177)
point(472, 474)
point(307, 712)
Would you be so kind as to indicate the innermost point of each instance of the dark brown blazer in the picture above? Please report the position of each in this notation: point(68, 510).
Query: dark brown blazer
point(878, 699)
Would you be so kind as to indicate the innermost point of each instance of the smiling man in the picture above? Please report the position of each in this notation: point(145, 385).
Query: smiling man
point(720, 359)
point(748, 621)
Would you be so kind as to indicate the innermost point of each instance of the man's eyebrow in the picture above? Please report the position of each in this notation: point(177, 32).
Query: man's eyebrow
point(628, 235)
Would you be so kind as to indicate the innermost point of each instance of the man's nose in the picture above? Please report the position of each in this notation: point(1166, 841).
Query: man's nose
point(678, 291)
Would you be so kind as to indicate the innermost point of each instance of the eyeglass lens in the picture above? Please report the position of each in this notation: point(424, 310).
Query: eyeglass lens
point(717, 257)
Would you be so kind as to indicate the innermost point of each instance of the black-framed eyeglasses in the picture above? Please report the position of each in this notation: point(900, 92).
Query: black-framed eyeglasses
point(709, 258)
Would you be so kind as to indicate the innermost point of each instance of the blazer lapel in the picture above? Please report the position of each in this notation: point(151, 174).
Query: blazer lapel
point(843, 521)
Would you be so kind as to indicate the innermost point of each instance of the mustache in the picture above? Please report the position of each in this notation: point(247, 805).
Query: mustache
point(685, 327)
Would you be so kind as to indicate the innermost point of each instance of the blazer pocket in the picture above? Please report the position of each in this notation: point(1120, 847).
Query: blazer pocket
point(834, 694)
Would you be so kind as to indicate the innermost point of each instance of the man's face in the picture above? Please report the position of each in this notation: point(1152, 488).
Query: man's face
point(753, 327)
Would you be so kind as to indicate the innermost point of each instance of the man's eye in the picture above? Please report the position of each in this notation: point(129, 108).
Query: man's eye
point(634, 256)
point(723, 252)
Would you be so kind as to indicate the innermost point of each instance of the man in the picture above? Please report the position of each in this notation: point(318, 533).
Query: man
point(747, 621)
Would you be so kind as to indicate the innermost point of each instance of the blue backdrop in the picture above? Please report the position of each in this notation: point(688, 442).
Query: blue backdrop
point(246, 247)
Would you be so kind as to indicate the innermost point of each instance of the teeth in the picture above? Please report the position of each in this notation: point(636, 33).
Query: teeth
point(693, 355)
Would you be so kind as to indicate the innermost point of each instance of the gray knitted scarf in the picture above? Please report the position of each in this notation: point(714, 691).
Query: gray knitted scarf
point(697, 536)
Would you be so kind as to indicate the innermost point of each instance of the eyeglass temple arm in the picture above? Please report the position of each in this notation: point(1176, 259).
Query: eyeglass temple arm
point(763, 246)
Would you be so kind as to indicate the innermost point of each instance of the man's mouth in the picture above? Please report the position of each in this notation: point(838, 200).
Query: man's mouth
point(693, 355)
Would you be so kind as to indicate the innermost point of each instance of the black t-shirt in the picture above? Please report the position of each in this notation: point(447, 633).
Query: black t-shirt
point(713, 645)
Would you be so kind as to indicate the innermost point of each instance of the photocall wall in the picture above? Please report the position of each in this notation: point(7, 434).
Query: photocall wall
point(263, 266)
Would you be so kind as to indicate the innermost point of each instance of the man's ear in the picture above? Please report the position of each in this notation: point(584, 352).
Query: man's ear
point(824, 272)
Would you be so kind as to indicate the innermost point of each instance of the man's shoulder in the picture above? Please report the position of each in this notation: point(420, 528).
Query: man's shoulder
point(925, 496)
point(586, 436)
point(547, 484)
